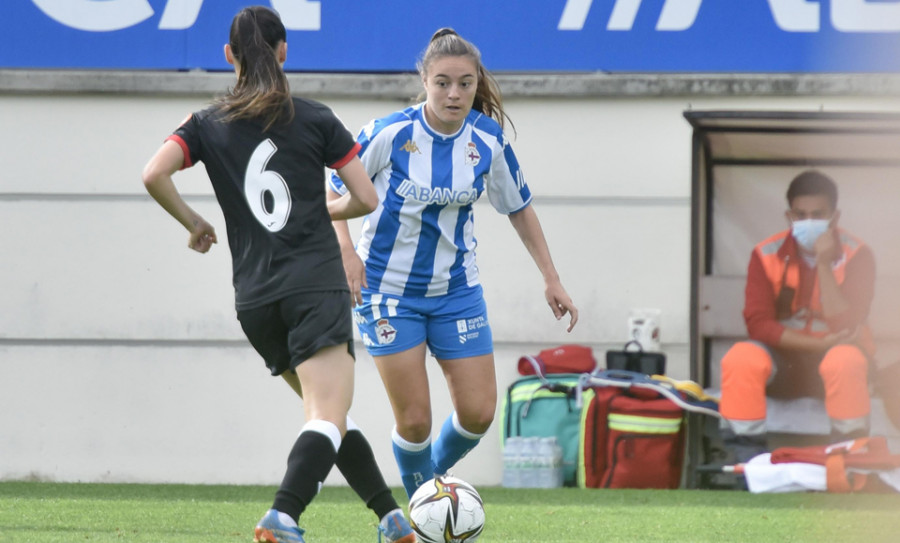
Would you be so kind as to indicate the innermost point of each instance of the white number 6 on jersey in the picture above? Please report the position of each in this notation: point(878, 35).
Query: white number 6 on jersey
point(259, 182)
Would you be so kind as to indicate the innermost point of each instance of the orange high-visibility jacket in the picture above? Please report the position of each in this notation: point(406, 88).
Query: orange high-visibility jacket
point(784, 271)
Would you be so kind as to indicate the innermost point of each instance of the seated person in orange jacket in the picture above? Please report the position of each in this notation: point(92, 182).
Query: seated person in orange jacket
point(807, 298)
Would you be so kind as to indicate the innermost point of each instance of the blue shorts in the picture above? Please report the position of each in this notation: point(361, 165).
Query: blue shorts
point(453, 325)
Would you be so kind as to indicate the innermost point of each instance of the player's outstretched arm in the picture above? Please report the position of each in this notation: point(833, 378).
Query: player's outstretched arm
point(530, 232)
point(157, 178)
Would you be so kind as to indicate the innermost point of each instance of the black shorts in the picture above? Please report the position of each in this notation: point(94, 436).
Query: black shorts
point(291, 330)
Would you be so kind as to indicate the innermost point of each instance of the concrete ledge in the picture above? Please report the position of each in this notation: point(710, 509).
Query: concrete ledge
point(406, 85)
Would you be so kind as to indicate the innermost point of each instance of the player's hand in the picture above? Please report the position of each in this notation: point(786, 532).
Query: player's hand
point(202, 236)
point(560, 303)
point(356, 274)
point(827, 247)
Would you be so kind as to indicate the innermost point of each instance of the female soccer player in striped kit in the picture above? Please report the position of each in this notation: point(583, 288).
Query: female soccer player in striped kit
point(265, 154)
point(413, 273)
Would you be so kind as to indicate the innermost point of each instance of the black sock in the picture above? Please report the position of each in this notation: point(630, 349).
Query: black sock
point(308, 465)
point(357, 463)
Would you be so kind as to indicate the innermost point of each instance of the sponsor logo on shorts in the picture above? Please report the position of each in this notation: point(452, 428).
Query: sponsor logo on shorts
point(367, 341)
point(476, 323)
point(385, 333)
point(468, 328)
point(358, 317)
point(465, 337)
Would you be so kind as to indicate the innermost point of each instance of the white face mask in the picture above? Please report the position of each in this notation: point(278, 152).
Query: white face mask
point(807, 231)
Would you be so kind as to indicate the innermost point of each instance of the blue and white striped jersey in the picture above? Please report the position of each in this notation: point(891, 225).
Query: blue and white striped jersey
point(420, 239)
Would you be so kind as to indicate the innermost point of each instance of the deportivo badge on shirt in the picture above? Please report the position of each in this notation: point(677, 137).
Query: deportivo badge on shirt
point(385, 332)
point(472, 156)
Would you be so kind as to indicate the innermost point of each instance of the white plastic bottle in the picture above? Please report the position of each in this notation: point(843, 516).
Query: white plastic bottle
point(512, 459)
point(558, 475)
point(544, 463)
point(528, 473)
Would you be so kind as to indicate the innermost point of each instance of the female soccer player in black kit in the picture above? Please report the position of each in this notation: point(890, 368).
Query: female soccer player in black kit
point(265, 154)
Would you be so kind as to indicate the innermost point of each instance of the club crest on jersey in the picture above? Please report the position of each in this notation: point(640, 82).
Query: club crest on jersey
point(385, 332)
point(472, 156)
point(411, 147)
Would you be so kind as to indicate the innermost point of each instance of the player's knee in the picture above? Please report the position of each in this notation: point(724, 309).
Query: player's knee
point(477, 422)
point(414, 426)
point(844, 362)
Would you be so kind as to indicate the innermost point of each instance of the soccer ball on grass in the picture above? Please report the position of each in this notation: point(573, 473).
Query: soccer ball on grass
point(446, 510)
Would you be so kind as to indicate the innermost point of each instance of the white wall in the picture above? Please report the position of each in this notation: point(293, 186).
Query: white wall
point(121, 359)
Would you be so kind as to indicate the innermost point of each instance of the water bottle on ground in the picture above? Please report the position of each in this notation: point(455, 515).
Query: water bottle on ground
point(544, 464)
point(528, 473)
point(558, 475)
point(549, 465)
point(512, 458)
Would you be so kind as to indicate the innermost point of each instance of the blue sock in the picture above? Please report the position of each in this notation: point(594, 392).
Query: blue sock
point(452, 444)
point(414, 461)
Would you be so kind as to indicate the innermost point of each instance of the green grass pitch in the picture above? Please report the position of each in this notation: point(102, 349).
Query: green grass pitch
point(95, 513)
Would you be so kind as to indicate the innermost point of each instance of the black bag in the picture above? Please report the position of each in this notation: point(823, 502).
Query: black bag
point(639, 361)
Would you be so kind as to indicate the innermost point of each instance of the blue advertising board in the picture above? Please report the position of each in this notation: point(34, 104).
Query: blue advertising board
point(769, 36)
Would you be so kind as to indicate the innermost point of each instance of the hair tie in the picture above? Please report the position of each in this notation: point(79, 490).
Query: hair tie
point(447, 31)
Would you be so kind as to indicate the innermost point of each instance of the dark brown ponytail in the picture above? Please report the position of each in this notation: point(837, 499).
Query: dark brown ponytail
point(262, 90)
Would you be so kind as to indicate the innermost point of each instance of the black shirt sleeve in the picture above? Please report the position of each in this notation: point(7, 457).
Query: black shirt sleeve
point(340, 146)
point(188, 137)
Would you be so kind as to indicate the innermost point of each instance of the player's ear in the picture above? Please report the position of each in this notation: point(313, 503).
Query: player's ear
point(229, 56)
point(282, 52)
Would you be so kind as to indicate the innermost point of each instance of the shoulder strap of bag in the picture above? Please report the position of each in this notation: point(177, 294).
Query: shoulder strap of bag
point(629, 379)
point(545, 382)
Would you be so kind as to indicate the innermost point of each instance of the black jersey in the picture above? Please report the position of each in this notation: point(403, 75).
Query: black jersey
point(271, 187)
